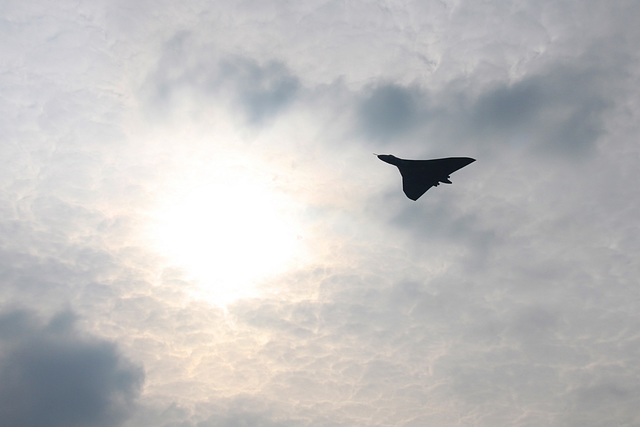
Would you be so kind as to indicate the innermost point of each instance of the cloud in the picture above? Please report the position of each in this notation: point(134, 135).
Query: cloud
point(389, 110)
point(506, 298)
point(51, 374)
point(204, 76)
point(262, 91)
point(245, 417)
point(558, 112)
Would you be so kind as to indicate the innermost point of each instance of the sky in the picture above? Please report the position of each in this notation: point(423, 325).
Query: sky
point(194, 231)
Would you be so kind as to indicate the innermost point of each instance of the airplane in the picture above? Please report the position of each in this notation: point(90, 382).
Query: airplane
point(420, 175)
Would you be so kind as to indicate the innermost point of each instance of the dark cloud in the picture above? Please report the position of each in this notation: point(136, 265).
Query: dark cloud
point(559, 111)
point(390, 110)
point(259, 91)
point(51, 374)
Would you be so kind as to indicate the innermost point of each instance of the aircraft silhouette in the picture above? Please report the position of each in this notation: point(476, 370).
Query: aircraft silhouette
point(420, 175)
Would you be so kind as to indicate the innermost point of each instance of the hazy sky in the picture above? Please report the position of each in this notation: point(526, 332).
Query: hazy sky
point(194, 230)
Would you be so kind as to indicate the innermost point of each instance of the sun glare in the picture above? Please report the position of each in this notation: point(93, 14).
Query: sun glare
point(227, 231)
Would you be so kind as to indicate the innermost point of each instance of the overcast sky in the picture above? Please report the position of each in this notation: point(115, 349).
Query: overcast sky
point(194, 230)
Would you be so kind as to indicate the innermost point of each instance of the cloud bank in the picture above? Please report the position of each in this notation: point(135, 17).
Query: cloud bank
point(53, 375)
point(508, 298)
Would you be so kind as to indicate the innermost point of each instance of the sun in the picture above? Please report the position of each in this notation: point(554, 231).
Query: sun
point(228, 230)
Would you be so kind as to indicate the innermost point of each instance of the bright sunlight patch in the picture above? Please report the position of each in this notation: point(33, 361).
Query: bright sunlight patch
point(228, 230)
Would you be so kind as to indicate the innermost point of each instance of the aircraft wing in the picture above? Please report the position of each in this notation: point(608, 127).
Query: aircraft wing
point(416, 182)
point(420, 175)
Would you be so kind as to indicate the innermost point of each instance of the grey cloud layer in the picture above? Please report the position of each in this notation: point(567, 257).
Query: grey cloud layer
point(560, 112)
point(258, 91)
point(51, 375)
point(508, 298)
point(557, 110)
